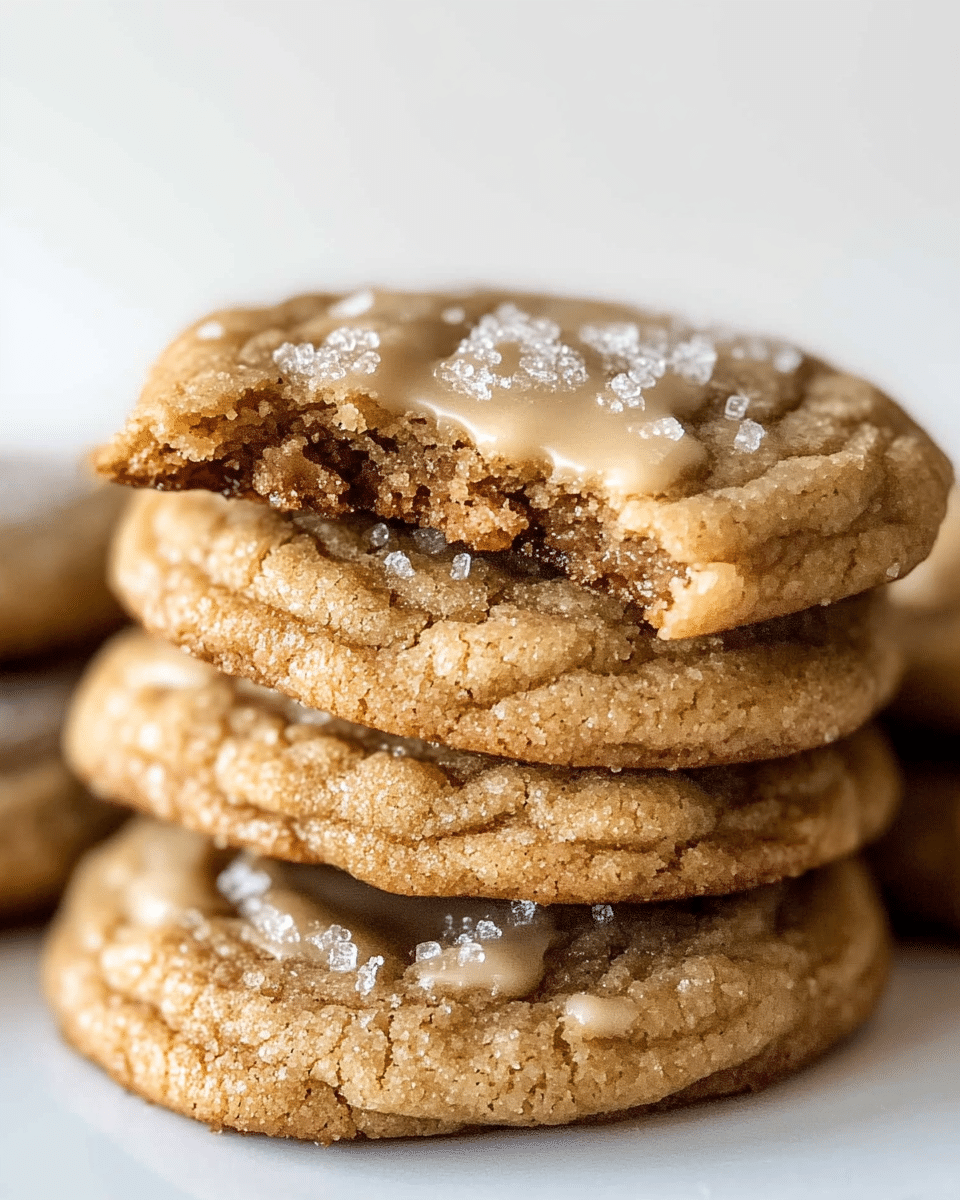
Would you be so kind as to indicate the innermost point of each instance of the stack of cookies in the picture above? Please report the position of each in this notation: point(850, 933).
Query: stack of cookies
point(55, 523)
point(515, 769)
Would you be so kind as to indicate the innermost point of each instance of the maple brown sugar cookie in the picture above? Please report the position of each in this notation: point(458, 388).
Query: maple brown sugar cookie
point(711, 479)
point(404, 633)
point(155, 729)
point(47, 818)
point(294, 1001)
point(55, 523)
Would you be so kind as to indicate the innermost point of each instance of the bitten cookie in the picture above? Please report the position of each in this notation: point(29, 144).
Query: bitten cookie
point(154, 728)
point(55, 523)
point(712, 479)
point(294, 1001)
point(47, 819)
point(927, 612)
point(402, 634)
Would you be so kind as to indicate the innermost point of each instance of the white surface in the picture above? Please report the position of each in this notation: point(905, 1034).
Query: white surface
point(789, 166)
point(879, 1119)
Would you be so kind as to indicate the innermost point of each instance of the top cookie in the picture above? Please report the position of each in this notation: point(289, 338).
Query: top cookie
point(713, 479)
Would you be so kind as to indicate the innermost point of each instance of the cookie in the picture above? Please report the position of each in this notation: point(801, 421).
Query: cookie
point(55, 523)
point(295, 1001)
point(403, 635)
point(155, 729)
point(919, 860)
point(47, 819)
point(711, 479)
point(927, 611)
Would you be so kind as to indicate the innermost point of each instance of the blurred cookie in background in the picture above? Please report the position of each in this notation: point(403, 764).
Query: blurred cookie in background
point(55, 525)
point(918, 861)
point(927, 606)
point(47, 819)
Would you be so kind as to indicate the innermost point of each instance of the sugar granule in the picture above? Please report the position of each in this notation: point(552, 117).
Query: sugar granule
point(460, 566)
point(345, 351)
point(240, 881)
point(665, 427)
point(427, 950)
point(544, 360)
point(523, 911)
point(749, 436)
point(342, 957)
point(694, 359)
point(429, 541)
point(736, 407)
point(488, 930)
point(470, 952)
point(602, 913)
point(367, 974)
point(379, 535)
point(397, 563)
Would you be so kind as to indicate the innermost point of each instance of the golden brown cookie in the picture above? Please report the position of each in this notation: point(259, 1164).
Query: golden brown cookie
point(927, 610)
point(47, 819)
point(294, 1001)
point(55, 523)
point(155, 729)
point(712, 479)
point(403, 636)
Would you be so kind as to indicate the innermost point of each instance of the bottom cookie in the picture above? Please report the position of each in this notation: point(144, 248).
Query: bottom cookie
point(295, 1001)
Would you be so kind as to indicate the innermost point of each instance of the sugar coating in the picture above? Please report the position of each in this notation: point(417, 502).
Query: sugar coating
point(511, 660)
point(251, 768)
point(773, 978)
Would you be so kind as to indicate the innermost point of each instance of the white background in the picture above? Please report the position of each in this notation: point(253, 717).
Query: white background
point(791, 167)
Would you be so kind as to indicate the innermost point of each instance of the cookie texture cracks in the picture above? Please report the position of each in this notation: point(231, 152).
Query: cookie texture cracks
point(709, 478)
point(156, 729)
point(392, 631)
point(255, 996)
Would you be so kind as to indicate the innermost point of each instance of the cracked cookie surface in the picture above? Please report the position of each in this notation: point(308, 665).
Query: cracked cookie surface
point(712, 479)
point(155, 729)
point(358, 620)
point(229, 990)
